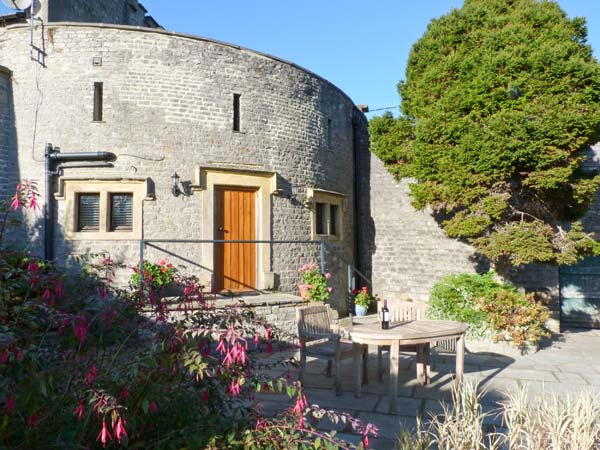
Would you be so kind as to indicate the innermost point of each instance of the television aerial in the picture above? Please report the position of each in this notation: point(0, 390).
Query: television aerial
point(34, 7)
point(17, 4)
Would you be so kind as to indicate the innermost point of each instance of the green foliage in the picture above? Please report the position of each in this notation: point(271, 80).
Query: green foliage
point(154, 274)
point(314, 283)
point(500, 101)
point(455, 297)
point(362, 297)
point(490, 308)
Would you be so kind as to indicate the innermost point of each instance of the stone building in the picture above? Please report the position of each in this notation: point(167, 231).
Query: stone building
point(264, 149)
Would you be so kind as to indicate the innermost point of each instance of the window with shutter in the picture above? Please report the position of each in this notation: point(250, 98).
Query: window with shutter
point(121, 212)
point(88, 212)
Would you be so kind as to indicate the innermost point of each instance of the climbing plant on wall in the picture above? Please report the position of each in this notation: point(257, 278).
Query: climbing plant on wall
point(500, 102)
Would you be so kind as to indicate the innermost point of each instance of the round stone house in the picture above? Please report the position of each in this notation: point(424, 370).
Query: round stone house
point(264, 150)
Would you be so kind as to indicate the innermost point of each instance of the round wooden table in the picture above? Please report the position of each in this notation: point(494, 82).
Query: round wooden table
point(415, 332)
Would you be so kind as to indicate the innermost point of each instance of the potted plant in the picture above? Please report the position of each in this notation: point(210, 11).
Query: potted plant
point(362, 300)
point(314, 283)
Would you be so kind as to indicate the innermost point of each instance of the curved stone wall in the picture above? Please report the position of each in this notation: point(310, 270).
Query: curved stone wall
point(168, 107)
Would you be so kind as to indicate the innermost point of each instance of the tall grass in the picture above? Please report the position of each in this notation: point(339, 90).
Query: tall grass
point(546, 422)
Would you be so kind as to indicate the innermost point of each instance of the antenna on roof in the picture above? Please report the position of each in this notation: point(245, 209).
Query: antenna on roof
point(34, 8)
point(17, 4)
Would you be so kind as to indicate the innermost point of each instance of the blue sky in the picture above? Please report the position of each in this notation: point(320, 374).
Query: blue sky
point(361, 47)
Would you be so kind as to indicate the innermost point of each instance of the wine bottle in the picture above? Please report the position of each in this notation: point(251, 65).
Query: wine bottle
point(385, 316)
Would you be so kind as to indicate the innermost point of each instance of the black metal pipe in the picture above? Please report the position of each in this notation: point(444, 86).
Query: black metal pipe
point(83, 156)
point(48, 204)
point(52, 156)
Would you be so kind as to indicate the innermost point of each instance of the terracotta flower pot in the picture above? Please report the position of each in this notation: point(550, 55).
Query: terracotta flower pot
point(304, 292)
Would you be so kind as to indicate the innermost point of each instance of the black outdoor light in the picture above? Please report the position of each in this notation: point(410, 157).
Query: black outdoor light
point(175, 189)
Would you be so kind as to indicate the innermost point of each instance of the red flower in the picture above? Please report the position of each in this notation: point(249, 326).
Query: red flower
point(104, 436)
point(91, 375)
point(80, 328)
point(119, 430)
point(33, 419)
point(10, 405)
point(79, 411)
point(153, 408)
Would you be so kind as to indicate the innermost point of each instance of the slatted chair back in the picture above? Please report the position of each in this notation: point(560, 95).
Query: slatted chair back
point(402, 311)
point(312, 322)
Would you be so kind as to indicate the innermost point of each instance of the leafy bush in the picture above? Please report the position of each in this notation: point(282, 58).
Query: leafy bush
point(84, 364)
point(362, 297)
point(154, 275)
point(314, 283)
point(491, 309)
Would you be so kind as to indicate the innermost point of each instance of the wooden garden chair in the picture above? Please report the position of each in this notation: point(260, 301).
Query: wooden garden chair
point(403, 311)
point(317, 339)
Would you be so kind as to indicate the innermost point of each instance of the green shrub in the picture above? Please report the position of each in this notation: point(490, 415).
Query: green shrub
point(455, 297)
point(493, 310)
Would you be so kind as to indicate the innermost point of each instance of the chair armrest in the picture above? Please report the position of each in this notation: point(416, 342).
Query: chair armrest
point(331, 336)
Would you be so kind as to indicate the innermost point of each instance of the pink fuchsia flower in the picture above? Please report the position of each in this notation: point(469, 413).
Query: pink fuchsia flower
point(124, 394)
point(47, 295)
point(4, 356)
point(327, 275)
point(16, 201)
point(104, 436)
point(329, 289)
point(153, 407)
point(33, 202)
point(80, 410)
point(33, 268)
point(10, 405)
point(80, 328)
point(91, 375)
point(103, 293)
point(300, 404)
point(33, 419)
point(106, 261)
point(119, 430)
point(235, 387)
point(204, 396)
point(58, 288)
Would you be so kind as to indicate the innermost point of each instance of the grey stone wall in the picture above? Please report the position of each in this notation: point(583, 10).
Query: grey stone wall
point(168, 108)
point(406, 250)
point(121, 12)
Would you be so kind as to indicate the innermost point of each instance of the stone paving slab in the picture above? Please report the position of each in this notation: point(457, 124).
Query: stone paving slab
point(571, 365)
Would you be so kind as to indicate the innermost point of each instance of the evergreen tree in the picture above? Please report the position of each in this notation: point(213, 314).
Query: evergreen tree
point(501, 100)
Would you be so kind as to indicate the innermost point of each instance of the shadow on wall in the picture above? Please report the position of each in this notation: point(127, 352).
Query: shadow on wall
point(9, 161)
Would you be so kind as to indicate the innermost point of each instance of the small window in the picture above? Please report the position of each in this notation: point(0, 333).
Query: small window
point(98, 100)
point(236, 112)
point(121, 212)
point(320, 218)
point(333, 220)
point(88, 212)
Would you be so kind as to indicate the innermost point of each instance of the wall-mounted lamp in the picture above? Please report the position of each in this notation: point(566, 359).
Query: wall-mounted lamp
point(175, 188)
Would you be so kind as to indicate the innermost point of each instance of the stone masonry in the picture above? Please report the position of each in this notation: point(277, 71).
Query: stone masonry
point(167, 107)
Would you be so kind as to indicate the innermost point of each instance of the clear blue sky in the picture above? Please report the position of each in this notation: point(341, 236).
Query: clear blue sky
point(360, 46)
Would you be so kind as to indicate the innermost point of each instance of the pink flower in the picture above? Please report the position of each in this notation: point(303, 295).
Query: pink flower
point(256, 340)
point(234, 388)
point(10, 405)
point(80, 328)
point(124, 394)
point(79, 411)
point(204, 396)
point(91, 375)
point(47, 295)
point(153, 407)
point(33, 203)
point(104, 436)
point(4, 356)
point(106, 261)
point(329, 289)
point(119, 430)
point(16, 202)
point(300, 404)
point(20, 354)
point(327, 275)
point(103, 293)
point(33, 419)
point(33, 268)
point(58, 289)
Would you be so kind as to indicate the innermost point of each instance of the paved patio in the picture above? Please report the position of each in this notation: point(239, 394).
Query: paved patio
point(570, 363)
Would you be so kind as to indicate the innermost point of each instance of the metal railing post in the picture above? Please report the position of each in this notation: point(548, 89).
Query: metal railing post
point(322, 251)
point(350, 289)
point(141, 264)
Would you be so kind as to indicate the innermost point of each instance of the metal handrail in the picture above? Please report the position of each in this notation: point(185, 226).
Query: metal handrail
point(322, 247)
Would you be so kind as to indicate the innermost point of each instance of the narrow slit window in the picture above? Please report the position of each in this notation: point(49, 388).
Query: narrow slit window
point(98, 100)
point(88, 212)
point(121, 212)
point(236, 112)
point(329, 134)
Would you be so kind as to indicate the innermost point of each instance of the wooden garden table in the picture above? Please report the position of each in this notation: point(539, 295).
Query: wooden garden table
point(415, 332)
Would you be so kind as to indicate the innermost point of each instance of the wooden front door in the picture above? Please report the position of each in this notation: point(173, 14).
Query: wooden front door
point(235, 219)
